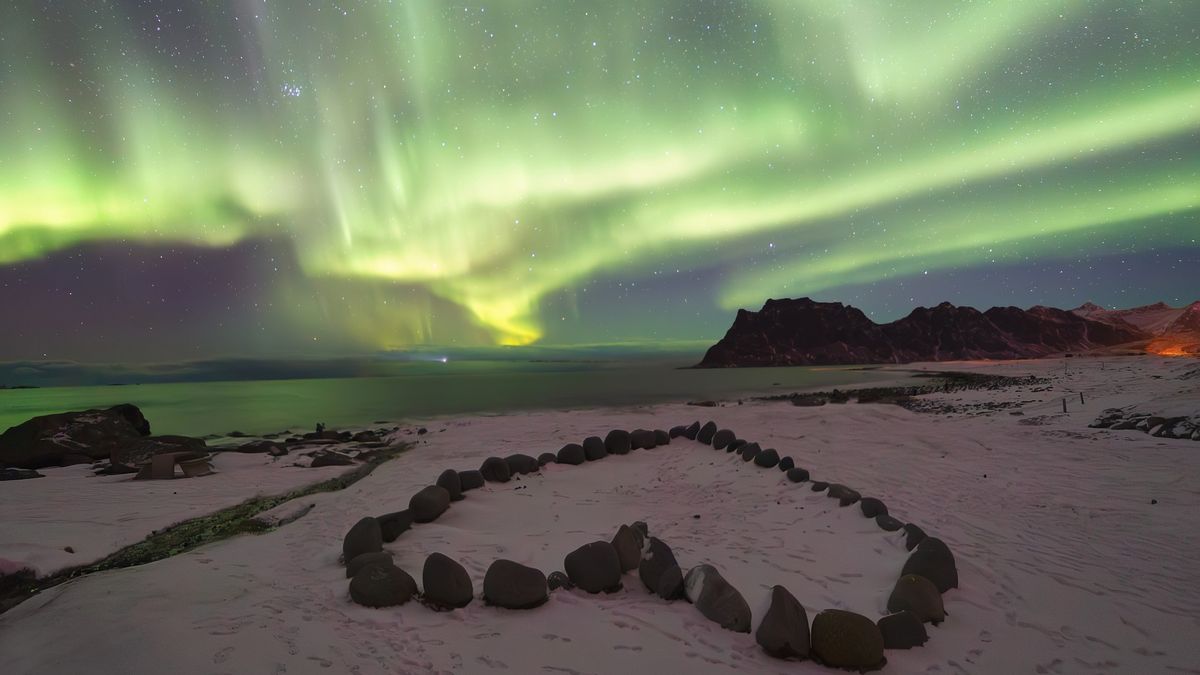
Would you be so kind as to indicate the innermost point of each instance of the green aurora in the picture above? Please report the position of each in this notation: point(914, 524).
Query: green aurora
point(485, 157)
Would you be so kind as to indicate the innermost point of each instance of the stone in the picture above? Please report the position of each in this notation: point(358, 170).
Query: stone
point(450, 481)
point(933, 560)
point(656, 560)
point(842, 639)
point(819, 486)
point(470, 479)
point(392, 525)
point(749, 451)
point(913, 536)
point(642, 527)
point(783, 631)
point(618, 442)
point(662, 437)
point(872, 507)
point(918, 595)
point(521, 464)
point(547, 458)
point(902, 631)
point(735, 445)
point(717, 599)
point(512, 585)
point(382, 586)
point(19, 474)
point(329, 458)
point(787, 464)
point(692, 431)
point(628, 542)
point(706, 433)
point(363, 559)
point(594, 567)
point(46, 440)
point(642, 439)
point(558, 580)
point(495, 470)
point(364, 537)
point(723, 438)
point(572, 453)
point(843, 494)
point(366, 437)
point(678, 431)
point(447, 584)
point(594, 448)
point(257, 447)
point(429, 503)
point(767, 459)
point(887, 523)
point(670, 584)
point(797, 475)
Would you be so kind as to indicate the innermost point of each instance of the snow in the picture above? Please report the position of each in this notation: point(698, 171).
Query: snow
point(1065, 565)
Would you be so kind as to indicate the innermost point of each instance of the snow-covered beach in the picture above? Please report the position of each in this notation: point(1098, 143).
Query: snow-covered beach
point(1075, 546)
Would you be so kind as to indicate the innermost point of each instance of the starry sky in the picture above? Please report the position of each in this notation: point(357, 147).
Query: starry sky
point(189, 179)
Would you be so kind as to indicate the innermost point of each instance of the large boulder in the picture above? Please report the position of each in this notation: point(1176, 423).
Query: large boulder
point(521, 464)
point(594, 448)
point(141, 450)
point(902, 630)
point(723, 438)
point(429, 503)
point(572, 453)
point(843, 494)
point(692, 431)
point(364, 537)
point(450, 481)
point(797, 475)
point(618, 442)
point(512, 585)
point(717, 599)
point(447, 584)
point(783, 632)
point(707, 432)
point(661, 437)
point(470, 479)
point(933, 560)
point(392, 525)
point(382, 586)
point(670, 583)
point(913, 535)
point(767, 458)
point(842, 639)
point(657, 559)
point(495, 470)
point(628, 542)
point(362, 560)
point(322, 458)
point(642, 439)
point(872, 507)
point(50, 439)
point(594, 567)
point(678, 431)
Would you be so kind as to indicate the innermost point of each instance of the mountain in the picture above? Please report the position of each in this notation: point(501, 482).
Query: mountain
point(1154, 319)
point(805, 332)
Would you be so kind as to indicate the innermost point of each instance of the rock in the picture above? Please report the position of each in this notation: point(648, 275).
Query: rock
point(594, 567)
point(717, 599)
point(842, 639)
point(429, 503)
point(18, 474)
point(45, 440)
point(819, 486)
point(787, 464)
point(913, 536)
point(258, 447)
point(392, 525)
point(735, 445)
point(843, 494)
point(933, 560)
point(656, 560)
point(363, 559)
point(661, 437)
point(547, 458)
point(723, 438)
point(692, 431)
point(471, 479)
point(628, 542)
point(366, 437)
point(642, 439)
point(706, 433)
point(902, 630)
point(141, 450)
point(618, 442)
point(749, 451)
point(797, 475)
point(329, 458)
point(514, 586)
point(364, 537)
point(594, 448)
point(918, 595)
point(643, 528)
point(447, 584)
point(767, 459)
point(450, 481)
point(888, 523)
point(495, 470)
point(783, 631)
point(678, 431)
point(521, 464)
point(572, 453)
point(558, 580)
point(872, 507)
point(382, 586)
point(670, 583)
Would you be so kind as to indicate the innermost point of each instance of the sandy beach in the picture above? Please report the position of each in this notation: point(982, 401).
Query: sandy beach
point(1075, 546)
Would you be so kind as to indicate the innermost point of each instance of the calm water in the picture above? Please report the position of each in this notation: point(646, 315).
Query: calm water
point(424, 391)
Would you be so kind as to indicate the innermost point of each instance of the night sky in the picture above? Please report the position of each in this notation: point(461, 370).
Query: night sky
point(191, 179)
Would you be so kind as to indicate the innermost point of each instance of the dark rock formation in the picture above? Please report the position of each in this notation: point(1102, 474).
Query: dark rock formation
point(872, 507)
point(918, 595)
point(392, 525)
point(618, 442)
point(594, 567)
point(661, 437)
point(887, 523)
point(678, 431)
point(450, 481)
point(382, 586)
point(819, 486)
point(470, 479)
point(717, 599)
point(656, 560)
point(723, 438)
point(749, 451)
point(495, 470)
point(572, 453)
point(902, 630)
point(557, 580)
point(363, 559)
point(364, 537)
point(521, 464)
point(18, 474)
point(628, 542)
point(913, 535)
point(547, 458)
point(797, 475)
point(933, 560)
point(786, 464)
point(706, 433)
point(692, 431)
point(429, 503)
point(767, 459)
point(783, 632)
point(447, 584)
point(642, 439)
point(843, 494)
point(322, 458)
point(514, 586)
point(844, 639)
point(49, 439)
point(670, 583)
point(594, 448)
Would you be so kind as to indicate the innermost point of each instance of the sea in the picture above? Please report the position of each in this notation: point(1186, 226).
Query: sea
point(421, 391)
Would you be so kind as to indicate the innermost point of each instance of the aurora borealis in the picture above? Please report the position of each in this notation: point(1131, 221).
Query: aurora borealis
point(371, 175)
